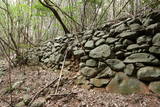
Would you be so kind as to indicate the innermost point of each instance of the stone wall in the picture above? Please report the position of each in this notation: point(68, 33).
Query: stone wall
point(124, 57)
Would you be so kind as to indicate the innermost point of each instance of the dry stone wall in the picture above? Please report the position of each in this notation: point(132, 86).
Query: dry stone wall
point(124, 57)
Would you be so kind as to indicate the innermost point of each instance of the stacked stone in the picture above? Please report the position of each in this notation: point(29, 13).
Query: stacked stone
point(123, 57)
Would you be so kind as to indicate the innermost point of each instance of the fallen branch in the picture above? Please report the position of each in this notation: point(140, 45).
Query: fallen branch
point(61, 72)
point(37, 94)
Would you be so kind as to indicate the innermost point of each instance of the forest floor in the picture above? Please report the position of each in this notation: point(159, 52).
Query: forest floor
point(30, 80)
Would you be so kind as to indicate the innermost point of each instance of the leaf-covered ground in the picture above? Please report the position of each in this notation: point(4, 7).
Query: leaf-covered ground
point(29, 80)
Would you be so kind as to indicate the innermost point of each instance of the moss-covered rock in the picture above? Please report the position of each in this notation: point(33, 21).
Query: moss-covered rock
point(125, 85)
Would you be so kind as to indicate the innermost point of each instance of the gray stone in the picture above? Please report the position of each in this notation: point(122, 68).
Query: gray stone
point(106, 73)
point(99, 82)
point(133, 47)
point(118, 47)
point(148, 21)
point(79, 52)
point(143, 40)
point(101, 66)
point(111, 40)
point(115, 64)
point(102, 51)
point(156, 40)
point(97, 32)
point(101, 34)
point(121, 28)
point(142, 58)
point(89, 44)
point(128, 35)
point(99, 42)
point(91, 63)
point(149, 73)
point(89, 72)
point(127, 42)
point(153, 27)
point(80, 80)
point(105, 36)
point(57, 44)
point(95, 38)
point(129, 69)
point(155, 87)
point(155, 50)
point(125, 85)
point(88, 32)
point(84, 58)
point(135, 27)
point(82, 65)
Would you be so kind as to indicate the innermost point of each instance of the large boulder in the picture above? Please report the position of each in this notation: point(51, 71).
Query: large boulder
point(102, 51)
point(115, 64)
point(149, 73)
point(142, 58)
point(125, 85)
point(155, 87)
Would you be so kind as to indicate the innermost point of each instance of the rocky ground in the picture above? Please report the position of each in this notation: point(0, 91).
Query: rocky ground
point(28, 81)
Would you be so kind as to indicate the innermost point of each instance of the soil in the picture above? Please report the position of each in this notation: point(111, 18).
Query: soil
point(34, 78)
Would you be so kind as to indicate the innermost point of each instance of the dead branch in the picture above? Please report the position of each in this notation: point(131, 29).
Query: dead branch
point(37, 94)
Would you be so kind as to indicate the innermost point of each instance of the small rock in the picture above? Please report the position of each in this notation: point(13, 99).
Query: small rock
point(115, 64)
point(154, 50)
point(127, 42)
point(106, 73)
point(129, 69)
point(89, 72)
point(79, 52)
point(155, 87)
point(156, 40)
point(153, 28)
point(111, 40)
point(99, 42)
point(80, 80)
point(99, 82)
point(143, 40)
point(133, 47)
point(82, 65)
point(135, 27)
point(128, 35)
point(89, 44)
point(91, 63)
point(102, 51)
